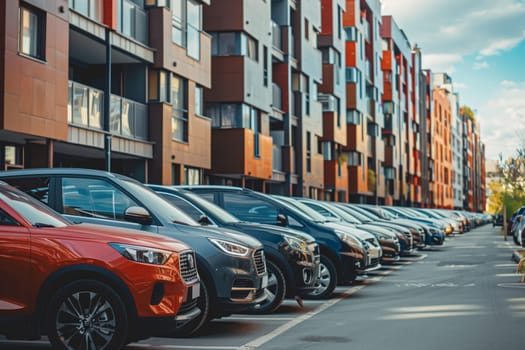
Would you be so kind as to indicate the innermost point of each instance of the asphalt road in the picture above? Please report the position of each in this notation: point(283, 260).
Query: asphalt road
point(463, 295)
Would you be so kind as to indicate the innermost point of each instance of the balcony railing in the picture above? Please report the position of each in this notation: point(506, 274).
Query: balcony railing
point(93, 9)
point(277, 36)
point(86, 109)
point(132, 21)
point(128, 118)
point(85, 106)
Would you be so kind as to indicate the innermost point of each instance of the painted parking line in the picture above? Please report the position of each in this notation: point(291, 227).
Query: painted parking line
point(323, 307)
point(179, 347)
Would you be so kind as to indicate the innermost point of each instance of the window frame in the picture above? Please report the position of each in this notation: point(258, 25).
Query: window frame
point(40, 34)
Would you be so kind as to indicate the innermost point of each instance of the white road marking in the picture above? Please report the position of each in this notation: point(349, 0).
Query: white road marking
point(260, 318)
point(150, 346)
point(412, 316)
point(328, 304)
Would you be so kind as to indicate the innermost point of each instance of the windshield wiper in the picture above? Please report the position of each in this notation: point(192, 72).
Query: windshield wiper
point(41, 224)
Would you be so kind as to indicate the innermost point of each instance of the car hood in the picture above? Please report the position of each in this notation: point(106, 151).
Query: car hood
point(111, 234)
point(278, 230)
point(350, 229)
point(221, 233)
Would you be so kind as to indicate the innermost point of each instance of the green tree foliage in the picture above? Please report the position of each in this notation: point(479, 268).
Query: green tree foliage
point(509, 191)
point(466, 110)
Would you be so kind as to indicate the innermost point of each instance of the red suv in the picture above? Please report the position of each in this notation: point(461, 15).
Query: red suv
point(88, 286)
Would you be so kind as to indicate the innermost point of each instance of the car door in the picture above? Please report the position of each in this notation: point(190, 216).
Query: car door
point(16, 268)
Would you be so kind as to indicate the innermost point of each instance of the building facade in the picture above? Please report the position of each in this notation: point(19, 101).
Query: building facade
point(107, 85)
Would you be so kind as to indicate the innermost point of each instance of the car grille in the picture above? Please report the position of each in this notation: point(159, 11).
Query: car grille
point(260, 262)
point(372, 242)
point(188, 267)
point(316, 252)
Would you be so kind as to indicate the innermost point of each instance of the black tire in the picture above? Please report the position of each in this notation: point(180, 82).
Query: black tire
point(70, 317)
point(515, 239)
point(327, 281)
point(204, 303)
point(275, 291)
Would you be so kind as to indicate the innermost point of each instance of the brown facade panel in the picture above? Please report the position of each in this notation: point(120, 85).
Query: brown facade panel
point(227, 80)
point(36, 92)
point(225, 15)
point(233, 153)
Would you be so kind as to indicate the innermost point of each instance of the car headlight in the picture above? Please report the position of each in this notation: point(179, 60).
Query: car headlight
point(295, 243)
point(142, 254)
point(345, 237)
point(231, 248)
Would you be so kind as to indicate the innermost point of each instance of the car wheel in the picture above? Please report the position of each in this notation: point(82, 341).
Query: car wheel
point(86, 314)
point(516, 239)
point(326, 283)
point(204, 304)
point(275, 291)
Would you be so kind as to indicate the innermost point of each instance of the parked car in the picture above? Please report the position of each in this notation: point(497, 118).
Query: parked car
point(76, 282)
point(372, 260)
point(292, 257)
point(341, 254)
point(387, 240)
point(231, 265)
point(497, 220)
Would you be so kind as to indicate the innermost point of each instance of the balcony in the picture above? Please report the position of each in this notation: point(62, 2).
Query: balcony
point(86, 109)
point(92, 9)
point(132, 21)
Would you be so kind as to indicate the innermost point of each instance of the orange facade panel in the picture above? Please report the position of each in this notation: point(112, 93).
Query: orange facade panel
point(233, 152)
point(386, 62)
point(335, 176)
point(351, 54)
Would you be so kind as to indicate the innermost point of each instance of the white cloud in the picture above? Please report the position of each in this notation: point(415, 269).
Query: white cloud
point(479, 65)
point(452, 27)
point(502, 120)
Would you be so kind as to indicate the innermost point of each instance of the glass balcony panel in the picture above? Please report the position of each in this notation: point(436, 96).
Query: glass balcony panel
point(70, 102)
point(114, 116)
point(80, 104)
point(96, 108)
point(141, 121)
point(127, 116)
point(276, 36)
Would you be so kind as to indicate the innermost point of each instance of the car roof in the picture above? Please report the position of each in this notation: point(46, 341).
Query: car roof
point(57, 171)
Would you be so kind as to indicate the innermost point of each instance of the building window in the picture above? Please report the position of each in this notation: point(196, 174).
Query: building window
point(32, 30)
point(233, 115)
point(308, 152)
point(193, 29)
point(177, 21)
point(339, 22)
point(352, 75)
point(353, 117)
point(179, 118)
point(192, 176)
point(351, 34)
point(159, 86)
point(265, 66)
point(198, 101)
point(234, 44)
point(306, 29)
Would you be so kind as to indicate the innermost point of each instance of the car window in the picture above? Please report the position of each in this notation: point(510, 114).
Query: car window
point(37, 187)
point(6, 220)
point(324, 212)
point(35, 212)
point(183, 205)
point(94, 198)
point(248, 208)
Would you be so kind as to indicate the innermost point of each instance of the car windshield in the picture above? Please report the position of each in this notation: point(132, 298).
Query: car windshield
point(211, 208)
point(36, 213)
point(157, 205)
point(354, 213)
point(309, 212)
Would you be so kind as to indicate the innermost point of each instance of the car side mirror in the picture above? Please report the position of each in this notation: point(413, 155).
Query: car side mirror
point(204, 220)
point(138, 215)
point(281, 220)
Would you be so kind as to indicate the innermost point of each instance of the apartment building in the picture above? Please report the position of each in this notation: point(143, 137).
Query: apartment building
point(364, 116)
point(332, 95)
point(427, 161)
point(416, 128)
point(468, 159)
point(396, 66)
point(106, 84)
point(442, 148)
point(444, 81)
point(267, 120)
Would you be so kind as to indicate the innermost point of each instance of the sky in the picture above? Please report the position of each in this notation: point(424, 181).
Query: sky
point(481, 45)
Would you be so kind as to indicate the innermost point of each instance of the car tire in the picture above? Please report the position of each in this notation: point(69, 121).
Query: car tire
point(275, 291)
point(70, 322)
point(327, 281)
point(516, 239)
point(204, 303)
